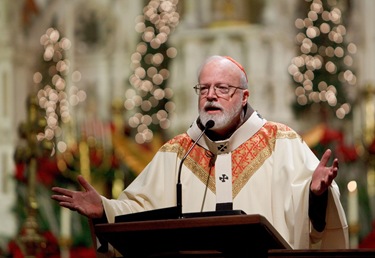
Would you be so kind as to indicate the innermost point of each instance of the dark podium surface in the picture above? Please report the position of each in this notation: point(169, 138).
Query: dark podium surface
point(340, 253)
point(229, 236)
point(214, 236)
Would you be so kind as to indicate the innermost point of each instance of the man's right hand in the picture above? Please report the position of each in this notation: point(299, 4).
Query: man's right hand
point(87, 203)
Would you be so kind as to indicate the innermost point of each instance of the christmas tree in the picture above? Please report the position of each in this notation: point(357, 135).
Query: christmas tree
point(149, 99)
point(324, 81)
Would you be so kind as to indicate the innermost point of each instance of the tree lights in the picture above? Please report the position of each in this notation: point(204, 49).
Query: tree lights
point(149, 100)
point(322, 75)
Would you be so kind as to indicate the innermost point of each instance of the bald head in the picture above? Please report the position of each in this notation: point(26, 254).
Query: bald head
point(228, 65)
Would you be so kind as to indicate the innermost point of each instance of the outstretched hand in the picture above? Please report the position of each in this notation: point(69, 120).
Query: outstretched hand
point(87, 203)
point(323, 175)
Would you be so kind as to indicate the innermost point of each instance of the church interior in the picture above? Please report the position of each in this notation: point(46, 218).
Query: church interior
point(94, 88)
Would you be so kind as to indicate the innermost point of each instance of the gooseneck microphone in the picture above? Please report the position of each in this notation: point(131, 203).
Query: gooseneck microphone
point(209, 124)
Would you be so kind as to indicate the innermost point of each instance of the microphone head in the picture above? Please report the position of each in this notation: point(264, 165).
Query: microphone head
point(210, 124)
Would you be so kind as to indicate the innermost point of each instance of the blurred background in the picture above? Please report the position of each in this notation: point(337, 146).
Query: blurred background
point(96, 87)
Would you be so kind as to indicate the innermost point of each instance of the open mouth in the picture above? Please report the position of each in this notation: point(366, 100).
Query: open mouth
point(212, 109)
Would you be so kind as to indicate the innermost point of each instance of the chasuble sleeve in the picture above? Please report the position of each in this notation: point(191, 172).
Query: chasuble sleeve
point(153, 188)
point(297, 162)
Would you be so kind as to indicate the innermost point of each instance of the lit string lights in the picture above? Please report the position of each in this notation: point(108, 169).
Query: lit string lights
point(149, 99)
point(52, 95)
point(322, 70)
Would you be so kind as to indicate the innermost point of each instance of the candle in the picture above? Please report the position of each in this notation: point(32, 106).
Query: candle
point(352, 203)
point(65, 223)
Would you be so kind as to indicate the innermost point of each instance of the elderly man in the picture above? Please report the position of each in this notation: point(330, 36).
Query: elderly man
point(243, 162)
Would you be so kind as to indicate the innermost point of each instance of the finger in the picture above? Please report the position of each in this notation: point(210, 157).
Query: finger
point(63, 201)
point(332, 175)
point(56, 197)
point(82, 181)
point(63, 191)
point(80, 210)
point(61, 198)
point(335, 167)
point(336, 164)
point(67, 205)
point(325, 158)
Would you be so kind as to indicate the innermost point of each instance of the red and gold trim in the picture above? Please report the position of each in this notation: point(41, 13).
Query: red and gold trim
point(246, 159)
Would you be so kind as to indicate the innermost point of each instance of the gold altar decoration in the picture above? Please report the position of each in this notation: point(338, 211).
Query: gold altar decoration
point(368, 137)
point(30, 241)
point(235, 13)
point(135, 155)
point(365, 133)
point(314, 135)
point(369, 115)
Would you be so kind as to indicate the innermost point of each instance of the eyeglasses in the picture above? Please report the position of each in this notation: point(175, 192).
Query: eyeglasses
point(221, 90)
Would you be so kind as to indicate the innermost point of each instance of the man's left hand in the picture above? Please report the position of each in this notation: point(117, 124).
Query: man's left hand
point(323, 175)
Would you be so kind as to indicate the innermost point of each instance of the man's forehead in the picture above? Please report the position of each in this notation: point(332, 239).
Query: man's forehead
point(219, 69)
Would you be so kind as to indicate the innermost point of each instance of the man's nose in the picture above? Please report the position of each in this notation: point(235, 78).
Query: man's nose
point(211, 93)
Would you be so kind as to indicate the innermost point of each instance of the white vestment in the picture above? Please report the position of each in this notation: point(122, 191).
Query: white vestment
point(271, 172)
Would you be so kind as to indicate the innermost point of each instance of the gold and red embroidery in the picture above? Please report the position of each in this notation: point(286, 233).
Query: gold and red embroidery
point(246, 159)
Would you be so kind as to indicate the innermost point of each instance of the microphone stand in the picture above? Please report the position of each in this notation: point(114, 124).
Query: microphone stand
point(170, 212)
point(209, 124)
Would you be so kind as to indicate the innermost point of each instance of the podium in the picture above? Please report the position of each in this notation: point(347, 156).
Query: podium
point(213, 236)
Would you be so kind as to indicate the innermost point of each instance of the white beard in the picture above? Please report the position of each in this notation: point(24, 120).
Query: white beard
point(221, 120)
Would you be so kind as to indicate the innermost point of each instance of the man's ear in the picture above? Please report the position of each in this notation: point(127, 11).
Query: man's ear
point(245, 97)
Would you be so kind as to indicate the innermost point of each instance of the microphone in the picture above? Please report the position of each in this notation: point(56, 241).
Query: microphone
point(209, 124)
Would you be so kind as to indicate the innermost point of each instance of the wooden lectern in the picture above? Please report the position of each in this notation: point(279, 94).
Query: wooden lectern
point(213, 236)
